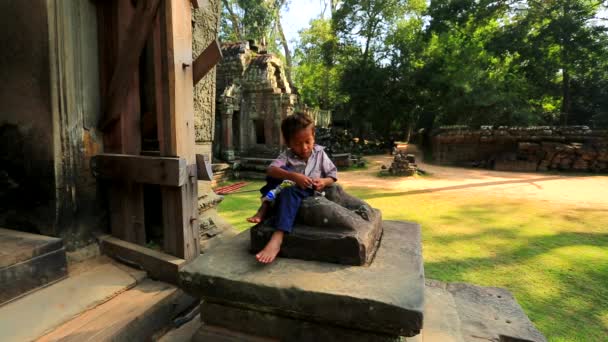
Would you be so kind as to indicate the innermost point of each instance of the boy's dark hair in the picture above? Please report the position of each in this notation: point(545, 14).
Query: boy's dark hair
point(295, 123)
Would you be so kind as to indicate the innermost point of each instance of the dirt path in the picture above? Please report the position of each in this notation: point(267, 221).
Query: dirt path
point(579, 190)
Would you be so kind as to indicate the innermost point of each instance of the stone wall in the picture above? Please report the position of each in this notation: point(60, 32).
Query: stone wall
point(205, 26)
point(576, 148)
point(48, 119)
point(26, 120)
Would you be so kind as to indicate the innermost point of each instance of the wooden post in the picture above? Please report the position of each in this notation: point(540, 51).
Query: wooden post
point(126, 197)
point(176, 129)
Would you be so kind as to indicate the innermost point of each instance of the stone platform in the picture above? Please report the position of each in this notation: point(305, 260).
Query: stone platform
point(384, 299)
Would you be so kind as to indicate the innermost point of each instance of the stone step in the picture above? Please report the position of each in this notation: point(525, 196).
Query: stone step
point(62, 301)
point(135, 315)
point(445, 304)
point(220, 167)
point(28, 262)
point(256, 161)
point(459, 312)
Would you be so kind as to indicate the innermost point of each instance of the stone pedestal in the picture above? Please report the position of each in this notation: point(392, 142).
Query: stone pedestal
point(292, 299)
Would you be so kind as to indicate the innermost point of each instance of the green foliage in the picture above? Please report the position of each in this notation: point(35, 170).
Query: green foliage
point(252, 20)
point(316, 74)
point(395, 65)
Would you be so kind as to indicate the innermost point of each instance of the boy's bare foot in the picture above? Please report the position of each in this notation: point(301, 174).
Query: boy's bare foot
point(257, 218)
point(269, 253)
point(260, 214)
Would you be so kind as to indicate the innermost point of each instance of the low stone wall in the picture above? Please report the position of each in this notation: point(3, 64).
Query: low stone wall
point(530, 149)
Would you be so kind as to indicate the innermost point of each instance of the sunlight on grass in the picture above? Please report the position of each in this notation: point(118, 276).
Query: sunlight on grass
point(554, 259)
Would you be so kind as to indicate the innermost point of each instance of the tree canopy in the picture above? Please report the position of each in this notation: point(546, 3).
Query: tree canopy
point(406, 64)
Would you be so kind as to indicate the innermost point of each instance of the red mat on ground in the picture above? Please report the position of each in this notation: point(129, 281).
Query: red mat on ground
point(230, 188)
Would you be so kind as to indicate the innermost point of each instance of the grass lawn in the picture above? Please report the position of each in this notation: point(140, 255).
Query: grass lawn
point(553, 258)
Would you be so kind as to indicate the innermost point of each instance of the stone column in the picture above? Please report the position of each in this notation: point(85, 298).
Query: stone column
point(205, 26)
point(227, 139)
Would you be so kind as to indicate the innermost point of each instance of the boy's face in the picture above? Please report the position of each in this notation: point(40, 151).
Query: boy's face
point(303, 142)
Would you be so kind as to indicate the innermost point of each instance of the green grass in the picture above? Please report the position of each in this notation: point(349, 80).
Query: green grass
point(553, 258)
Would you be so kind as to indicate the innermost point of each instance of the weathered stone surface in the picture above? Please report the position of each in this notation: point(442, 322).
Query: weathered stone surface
point(339, 228)
point(28, 261)
point(205, 23)
point(282, 328)
point(465, 312)
point(385, 297)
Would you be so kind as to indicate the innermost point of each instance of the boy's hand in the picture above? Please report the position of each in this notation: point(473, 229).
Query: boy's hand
point(318, 184)
point(302, 181)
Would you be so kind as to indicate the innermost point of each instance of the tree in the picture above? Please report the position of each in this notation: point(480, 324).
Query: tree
point(316, 73)
point(259, 21)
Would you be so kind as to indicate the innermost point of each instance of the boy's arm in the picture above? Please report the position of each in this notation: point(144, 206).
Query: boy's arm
point(329, 173)
point(301, 180)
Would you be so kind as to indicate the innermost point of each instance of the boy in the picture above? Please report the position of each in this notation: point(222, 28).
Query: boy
point(304, 163)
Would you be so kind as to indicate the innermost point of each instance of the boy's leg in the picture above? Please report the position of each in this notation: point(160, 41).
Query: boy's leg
point(260, 214)
point(271, 183)
point(287, 206)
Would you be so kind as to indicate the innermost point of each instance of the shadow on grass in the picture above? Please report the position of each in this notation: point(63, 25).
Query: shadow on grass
point(570, 268)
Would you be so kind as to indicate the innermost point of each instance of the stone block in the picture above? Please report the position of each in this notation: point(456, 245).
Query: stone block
point(465, 312)
point(386, 297)
point(29, 261)
point(338, 228)
point(282, 328)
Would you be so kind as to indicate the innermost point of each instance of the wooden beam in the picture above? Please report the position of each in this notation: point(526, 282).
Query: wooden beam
point(141, 169)
point(197, 3)
point(159, 265)
point(206, 61)
point(203, 166)
point(130, 50)
point(176, 130)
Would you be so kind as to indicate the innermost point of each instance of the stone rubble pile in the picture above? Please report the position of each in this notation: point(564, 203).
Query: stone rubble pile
point(339, 140)
point(403, 164)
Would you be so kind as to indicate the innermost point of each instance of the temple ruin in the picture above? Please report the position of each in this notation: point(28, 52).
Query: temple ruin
point(253, 97)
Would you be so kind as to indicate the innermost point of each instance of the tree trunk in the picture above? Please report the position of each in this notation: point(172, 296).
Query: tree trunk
point(566, 101)
point(234, 19)
point(286, 49)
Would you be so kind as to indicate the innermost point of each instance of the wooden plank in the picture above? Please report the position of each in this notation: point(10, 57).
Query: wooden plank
point(166, 171)
point(203, 166)
point(131, 47)
point(126, 198)
point(159, 265)
point(206, 61)
point(135, 315)
point(176, 130)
